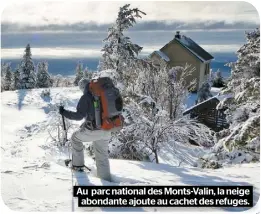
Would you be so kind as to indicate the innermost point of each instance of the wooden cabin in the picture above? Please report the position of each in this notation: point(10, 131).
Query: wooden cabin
point(182, 50)
point(207, 113)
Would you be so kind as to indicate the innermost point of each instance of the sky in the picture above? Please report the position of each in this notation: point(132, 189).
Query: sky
point(69, 29)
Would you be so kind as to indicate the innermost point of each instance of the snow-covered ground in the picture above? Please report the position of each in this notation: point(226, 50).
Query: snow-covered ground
point(33, 178)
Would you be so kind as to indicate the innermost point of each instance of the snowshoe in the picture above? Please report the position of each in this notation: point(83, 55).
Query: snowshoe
point(76, 168)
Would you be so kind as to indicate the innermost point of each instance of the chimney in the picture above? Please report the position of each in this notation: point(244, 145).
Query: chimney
point(177, 35)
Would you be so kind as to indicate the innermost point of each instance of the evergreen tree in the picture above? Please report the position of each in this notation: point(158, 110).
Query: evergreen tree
point(43, 77)
point(8, 78)
point(79, 73)
point(87, 74)
point(28, 76)
point(16, 80)
point(3, 71)
point(119, 52)
point(218, 80)
point(241, 141)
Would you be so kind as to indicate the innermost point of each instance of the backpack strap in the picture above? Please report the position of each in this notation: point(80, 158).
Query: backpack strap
point(90, 125)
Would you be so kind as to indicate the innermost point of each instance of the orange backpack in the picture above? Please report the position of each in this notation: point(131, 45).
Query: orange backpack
point(108, 104)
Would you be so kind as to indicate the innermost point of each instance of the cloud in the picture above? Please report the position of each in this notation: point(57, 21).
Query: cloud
point(231, 48)
point(141, 26)
point(16, 53)
point(67, 52)
point(93, 39)
point(68, 12)
point(79, 27)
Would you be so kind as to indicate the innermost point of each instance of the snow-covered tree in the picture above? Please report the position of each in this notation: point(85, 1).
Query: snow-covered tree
point(16, 79)
point(153, 82)
point(153, 115)
point(78, 73)
point(28, 75)
point(3, 71)
point(145, 132)
point(119, 52)
point(8, 77)
point(218, 80)
point(241, 141)
point(57, 79)
point(178, 89)
point(43, 77)
point(168, 87)
point(87, 73)
point(204, 92)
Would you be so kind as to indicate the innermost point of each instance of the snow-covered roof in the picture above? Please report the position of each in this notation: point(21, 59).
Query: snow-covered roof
point(224, 96)
point(194, 48)
point(218, 97)
point(162, 55)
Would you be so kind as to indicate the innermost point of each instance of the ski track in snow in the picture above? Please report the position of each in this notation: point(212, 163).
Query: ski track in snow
point(33, 178)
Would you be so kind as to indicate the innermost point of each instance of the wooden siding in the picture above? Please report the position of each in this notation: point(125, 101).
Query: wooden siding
point(180, 56)
point(207, 114)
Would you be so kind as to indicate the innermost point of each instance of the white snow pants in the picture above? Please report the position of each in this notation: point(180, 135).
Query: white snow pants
point(100, 139)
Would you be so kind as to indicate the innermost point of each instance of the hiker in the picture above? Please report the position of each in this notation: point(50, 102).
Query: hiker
point(88, 133)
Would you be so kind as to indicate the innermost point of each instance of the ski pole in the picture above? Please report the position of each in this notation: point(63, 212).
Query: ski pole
point(64, 128)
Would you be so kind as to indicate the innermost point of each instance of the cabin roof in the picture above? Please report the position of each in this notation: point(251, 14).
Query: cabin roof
point(216, 98)
point(194, 48)
point(162, 55)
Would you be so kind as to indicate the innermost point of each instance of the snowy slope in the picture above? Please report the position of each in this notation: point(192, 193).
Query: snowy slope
point(33, 179)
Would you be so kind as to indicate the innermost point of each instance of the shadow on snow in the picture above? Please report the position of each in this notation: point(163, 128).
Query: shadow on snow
point(21, 96)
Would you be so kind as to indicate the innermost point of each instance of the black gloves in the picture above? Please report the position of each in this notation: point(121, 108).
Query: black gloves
point(61, 110)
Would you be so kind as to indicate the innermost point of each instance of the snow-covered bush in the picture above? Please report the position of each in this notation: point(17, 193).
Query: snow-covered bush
point(147, 130)
point(62, 81)
point(54, 125)
point(127, 144)
point(56, 130)
point(241, 141)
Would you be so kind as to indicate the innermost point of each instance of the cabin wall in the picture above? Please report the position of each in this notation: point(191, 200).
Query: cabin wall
point(180, 56)
point(207, 114)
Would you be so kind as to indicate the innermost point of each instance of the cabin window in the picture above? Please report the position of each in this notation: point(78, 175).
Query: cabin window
point(207, 69)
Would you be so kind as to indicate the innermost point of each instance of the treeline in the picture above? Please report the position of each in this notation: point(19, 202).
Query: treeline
point(27, 76)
